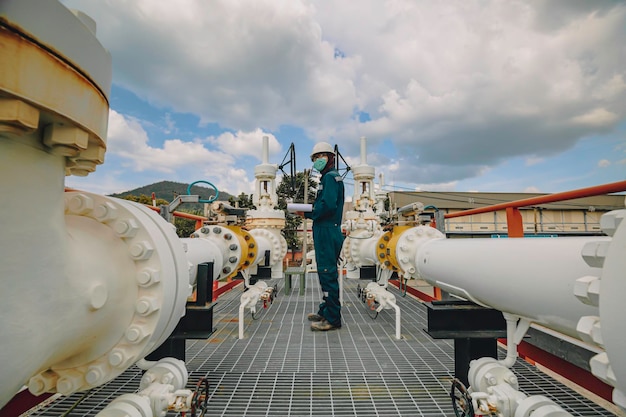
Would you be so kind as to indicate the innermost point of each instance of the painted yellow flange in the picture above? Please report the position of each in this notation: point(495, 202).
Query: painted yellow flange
point(386, 248)
point(248, 248)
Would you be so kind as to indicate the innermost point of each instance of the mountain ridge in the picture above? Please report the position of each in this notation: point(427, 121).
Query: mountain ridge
point(169, 190)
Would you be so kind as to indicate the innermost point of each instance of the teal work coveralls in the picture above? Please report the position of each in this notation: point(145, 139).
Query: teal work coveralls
point(327, 241)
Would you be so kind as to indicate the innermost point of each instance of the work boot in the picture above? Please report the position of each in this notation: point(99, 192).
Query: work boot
point(314, 317)
point(323, 326)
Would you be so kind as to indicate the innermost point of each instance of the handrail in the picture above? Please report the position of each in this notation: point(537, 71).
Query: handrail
point(613, 187)
point(515, 226)
point(199, 219)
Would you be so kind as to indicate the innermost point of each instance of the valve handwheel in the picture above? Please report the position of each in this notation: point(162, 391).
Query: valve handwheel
point(211, 199)
point(461, 400)
point(200, 398)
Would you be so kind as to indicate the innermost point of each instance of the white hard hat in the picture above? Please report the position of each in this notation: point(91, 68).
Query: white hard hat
point(322, 147)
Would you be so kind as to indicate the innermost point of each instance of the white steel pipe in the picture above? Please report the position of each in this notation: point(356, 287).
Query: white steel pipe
point(249, 299)
point(363, 150)
point(33, 248)
point(511, 346)
point(386, 300)
point(242, 312)
point(103, 282)
point(398, 326)
point(266, 150)
point(531, 278)
point(264, 196)
point(200, 250)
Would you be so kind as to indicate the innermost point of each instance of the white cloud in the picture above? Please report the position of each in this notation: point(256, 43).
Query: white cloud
point(190, 161)
point(534, 160)
point(532, 189)
point(128, 139)
point(596, 117)
point(446, 186)
point(612, 88)
point(246, 143)
point(242, 64)
point(457, 86)
point(603, 163)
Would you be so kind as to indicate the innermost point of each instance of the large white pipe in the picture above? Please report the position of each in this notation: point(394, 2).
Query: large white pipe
point(103, 283)
point(92, 283)
point(31, 252)
point(573, 286)
point(531, 278)
point(203, 250)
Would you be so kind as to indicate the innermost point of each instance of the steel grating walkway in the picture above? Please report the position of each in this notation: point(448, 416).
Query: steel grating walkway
point(282, 368)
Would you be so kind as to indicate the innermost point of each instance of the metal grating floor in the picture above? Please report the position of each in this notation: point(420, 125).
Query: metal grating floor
point(282, 368)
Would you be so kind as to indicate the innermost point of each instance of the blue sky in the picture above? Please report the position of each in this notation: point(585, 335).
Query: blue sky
point(516, 96)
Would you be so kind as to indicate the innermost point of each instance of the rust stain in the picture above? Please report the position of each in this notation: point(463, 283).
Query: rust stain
point(63, 91)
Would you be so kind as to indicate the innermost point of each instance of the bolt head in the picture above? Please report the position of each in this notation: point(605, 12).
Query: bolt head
point(105, 212)
point(80, 204)
point(609, 222)
point(126, 228)
point(117, 358)
point(141, 250)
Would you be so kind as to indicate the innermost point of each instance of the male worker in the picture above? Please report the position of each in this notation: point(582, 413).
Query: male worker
point(327, 237)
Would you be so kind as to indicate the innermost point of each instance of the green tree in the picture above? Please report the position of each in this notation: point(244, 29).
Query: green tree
point(293, 190)
point(185, 227)
point(144, 199)
point(243, 200)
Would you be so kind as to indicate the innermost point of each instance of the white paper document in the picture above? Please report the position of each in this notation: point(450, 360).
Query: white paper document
point(294, 207)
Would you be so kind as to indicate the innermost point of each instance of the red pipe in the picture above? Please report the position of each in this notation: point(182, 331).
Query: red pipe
point(199, 219)
point(22, 402)
point(224, 288)
point(417, 293)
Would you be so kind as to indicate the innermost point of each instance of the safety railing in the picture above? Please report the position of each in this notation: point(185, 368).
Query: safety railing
point(515, 226)
point(199, 219)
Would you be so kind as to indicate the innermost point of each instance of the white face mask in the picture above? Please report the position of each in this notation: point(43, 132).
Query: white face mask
point(320, 163)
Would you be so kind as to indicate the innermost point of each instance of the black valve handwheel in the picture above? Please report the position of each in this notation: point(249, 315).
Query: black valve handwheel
point(461, 400)
point(200, 397)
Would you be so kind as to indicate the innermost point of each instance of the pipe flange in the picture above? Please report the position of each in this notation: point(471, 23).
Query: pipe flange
point(358, 242)
point(383, 256)
point(611, 289)
point(237, 246)
point(248, 247)
point(395, 249)
point(154, 252)
point(277, 242)
point(488, 372)
point(540, 406)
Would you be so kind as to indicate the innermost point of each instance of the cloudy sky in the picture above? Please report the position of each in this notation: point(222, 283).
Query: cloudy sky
point(519, 96)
